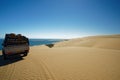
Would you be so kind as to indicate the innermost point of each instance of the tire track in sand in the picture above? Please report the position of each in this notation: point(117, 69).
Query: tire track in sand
point(47, 73)
point(7, 71)
point(28, 69)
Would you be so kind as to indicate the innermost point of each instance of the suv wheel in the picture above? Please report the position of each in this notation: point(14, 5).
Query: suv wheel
point(4, 55)
point(25, 53)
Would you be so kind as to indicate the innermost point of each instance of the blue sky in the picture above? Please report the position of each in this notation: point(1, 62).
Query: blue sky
point(59, 18)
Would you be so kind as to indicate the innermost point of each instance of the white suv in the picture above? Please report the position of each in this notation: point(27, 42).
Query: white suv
point(15, 44)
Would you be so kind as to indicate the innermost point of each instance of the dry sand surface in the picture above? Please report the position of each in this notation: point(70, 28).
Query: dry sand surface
point(105, 42)
point(90, 58)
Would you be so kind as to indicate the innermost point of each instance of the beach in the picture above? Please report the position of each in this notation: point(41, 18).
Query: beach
point(89, 58)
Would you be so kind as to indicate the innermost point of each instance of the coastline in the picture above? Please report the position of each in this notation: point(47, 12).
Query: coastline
point(35, 42)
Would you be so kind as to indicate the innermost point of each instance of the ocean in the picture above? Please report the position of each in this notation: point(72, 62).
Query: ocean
point(34, 42)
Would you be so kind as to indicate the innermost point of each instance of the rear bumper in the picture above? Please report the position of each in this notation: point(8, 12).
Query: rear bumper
point(17, 53)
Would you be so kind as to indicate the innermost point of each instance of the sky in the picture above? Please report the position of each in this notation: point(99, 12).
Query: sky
point(59, 18)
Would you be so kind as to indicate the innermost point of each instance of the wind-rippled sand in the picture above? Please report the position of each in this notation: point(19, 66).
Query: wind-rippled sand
point(90, 58)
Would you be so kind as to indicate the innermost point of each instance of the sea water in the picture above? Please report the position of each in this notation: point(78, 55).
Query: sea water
point(34, 42)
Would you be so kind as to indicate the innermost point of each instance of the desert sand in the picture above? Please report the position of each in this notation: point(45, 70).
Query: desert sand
point(89, 58)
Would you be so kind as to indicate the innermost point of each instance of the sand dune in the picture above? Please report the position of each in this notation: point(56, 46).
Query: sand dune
point(105, 42)
point(77, 59)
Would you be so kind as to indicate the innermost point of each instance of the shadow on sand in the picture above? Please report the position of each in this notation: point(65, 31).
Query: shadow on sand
point(10, 60)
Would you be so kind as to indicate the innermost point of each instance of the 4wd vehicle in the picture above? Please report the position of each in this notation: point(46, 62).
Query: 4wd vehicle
point(15, 44)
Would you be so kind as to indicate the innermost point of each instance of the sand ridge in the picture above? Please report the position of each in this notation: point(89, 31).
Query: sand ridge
point(105, 42)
